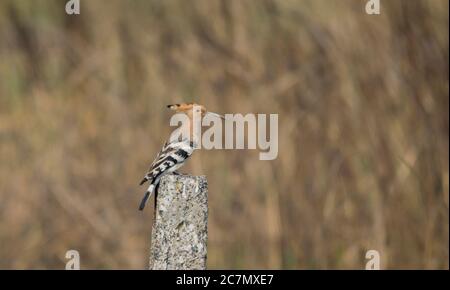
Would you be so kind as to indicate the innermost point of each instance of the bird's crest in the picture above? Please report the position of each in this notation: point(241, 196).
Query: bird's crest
point(185, 107)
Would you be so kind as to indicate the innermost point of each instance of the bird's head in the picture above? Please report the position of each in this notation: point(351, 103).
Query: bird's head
point(190, 108)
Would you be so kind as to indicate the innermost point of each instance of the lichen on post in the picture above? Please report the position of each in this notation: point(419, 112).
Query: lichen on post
point(180, 231)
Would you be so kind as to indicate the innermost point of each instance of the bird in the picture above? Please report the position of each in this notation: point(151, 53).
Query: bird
point(174, 153)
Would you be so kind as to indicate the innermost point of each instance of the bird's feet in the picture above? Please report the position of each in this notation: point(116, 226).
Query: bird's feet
point(177, 173)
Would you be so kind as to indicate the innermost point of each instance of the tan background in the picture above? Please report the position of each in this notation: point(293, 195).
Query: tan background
point(363, 109)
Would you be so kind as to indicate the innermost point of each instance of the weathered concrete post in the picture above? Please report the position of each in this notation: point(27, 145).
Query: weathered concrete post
point(180, 229)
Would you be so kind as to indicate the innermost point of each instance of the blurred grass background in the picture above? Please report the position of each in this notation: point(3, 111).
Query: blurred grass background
point(363, 111)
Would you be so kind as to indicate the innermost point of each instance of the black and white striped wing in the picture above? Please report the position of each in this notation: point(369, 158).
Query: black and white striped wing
point(170, 158)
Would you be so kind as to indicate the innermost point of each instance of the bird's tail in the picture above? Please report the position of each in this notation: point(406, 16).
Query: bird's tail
point(147, 194)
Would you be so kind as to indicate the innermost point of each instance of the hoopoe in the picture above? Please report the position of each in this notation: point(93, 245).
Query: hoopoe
point(177, 150)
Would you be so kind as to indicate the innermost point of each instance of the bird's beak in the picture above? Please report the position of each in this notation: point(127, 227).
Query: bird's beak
point(216, 115)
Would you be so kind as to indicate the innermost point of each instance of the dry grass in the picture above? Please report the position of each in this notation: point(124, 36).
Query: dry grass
point(363, 108)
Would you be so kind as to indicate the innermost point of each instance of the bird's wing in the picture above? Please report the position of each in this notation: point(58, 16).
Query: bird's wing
point(172, 154)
